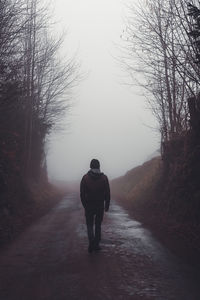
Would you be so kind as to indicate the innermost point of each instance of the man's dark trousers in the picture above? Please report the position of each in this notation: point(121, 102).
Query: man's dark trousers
point(94, 216)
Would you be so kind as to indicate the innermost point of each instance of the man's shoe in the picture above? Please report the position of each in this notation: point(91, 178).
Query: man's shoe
point(90, 248)
point(97, 248)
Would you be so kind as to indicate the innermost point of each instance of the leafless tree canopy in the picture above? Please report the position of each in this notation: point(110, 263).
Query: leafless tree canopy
point(160, 55)
point(35, 82)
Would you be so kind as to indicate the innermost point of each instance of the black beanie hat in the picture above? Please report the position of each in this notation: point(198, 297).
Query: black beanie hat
point(94, 164)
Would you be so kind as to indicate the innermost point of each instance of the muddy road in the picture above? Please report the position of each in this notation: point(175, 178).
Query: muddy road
point(49, 261)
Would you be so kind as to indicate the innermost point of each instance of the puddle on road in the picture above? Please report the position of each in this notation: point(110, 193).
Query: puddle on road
point(123, 233)
point(137, 246)
point(131, 234)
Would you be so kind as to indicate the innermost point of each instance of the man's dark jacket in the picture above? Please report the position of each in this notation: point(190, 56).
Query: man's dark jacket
point(95, 191)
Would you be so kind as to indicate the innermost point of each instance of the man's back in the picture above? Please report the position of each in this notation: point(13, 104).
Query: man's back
point(95, 190)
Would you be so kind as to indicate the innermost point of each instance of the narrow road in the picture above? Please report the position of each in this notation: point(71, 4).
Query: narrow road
point(49, 261)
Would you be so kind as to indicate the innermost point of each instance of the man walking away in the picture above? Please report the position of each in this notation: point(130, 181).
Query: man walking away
point(95, 197)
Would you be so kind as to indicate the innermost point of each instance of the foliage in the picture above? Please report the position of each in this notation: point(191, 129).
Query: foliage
point(138, 186)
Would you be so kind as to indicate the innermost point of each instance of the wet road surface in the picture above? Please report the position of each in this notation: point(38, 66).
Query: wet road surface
point(49, 261)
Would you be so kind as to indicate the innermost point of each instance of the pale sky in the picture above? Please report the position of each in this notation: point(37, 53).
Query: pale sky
point(109, 121)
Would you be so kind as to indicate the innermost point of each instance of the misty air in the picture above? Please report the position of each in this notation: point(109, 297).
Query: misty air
point(99, 156)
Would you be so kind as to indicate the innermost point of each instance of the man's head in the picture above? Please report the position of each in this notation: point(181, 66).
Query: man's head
point(94, 164)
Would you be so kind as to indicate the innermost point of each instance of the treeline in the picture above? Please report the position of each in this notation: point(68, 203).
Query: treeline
point(35, 84)
point(162, 55)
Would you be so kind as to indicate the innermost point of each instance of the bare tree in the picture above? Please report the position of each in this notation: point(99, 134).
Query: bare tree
point(158, 57)
point(35, 80)
point(47, 79)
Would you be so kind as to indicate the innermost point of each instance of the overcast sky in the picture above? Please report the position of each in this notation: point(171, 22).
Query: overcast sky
point(109, 121)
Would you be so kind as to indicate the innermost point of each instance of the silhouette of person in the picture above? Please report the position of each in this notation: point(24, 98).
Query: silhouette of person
point(95, 197)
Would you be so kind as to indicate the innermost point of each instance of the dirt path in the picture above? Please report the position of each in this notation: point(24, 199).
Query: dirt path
point(50, 261)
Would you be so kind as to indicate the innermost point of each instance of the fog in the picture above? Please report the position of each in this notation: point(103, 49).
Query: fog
point(109, 120)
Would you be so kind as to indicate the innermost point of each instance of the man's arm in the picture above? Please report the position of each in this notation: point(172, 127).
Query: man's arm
point(82, 192)
point(107, 195)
